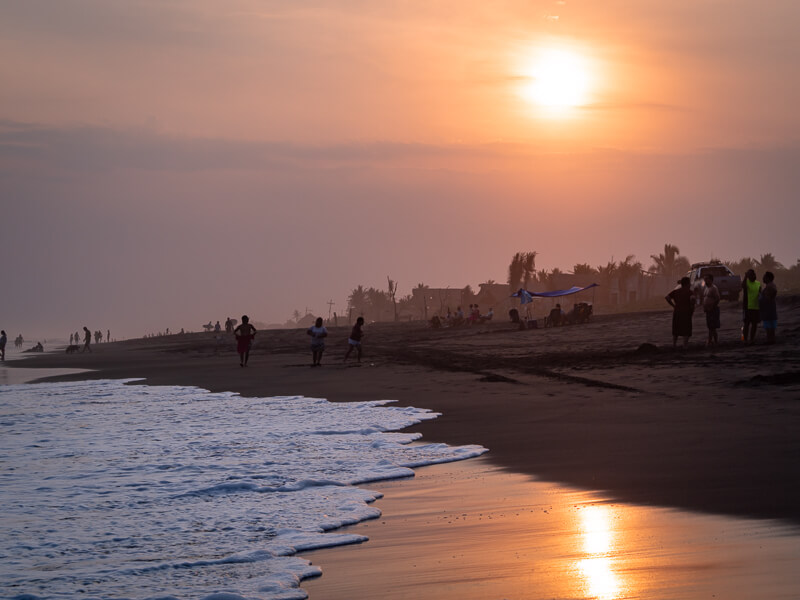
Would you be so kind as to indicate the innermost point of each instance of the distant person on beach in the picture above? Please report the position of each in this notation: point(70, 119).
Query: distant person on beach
point(681, 300)
point(87, 340)
point(108, 335)
point(711, 300)
point(217, 327)
point(318, 334)
point(354, 341)
point(751, 289)
point(70, 339)
point(768, 306)
point(3, 341)
point(244, 340)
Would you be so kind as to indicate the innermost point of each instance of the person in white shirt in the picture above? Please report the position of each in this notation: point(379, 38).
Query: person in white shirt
point(318, 334)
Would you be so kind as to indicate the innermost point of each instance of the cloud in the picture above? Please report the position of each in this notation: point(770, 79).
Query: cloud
point(91, 148)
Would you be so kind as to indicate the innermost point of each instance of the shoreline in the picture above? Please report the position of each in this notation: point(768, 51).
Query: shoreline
point(590, 406)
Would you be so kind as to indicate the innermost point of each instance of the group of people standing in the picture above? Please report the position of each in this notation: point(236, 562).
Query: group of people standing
point(759, 305)
point(75, 338)
point(245, 335)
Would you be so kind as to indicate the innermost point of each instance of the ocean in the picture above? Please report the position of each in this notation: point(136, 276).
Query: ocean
point(140, 492)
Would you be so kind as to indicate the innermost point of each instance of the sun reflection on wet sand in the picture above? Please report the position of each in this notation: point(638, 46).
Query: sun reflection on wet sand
point(597, 568)
point(469, 531)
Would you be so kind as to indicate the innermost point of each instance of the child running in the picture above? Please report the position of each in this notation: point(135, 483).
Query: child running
point(355, 339)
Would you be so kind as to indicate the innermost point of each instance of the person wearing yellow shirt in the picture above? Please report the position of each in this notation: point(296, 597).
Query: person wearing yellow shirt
point(751, 288)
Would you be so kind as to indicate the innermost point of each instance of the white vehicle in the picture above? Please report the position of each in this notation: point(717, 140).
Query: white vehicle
point(728, 283)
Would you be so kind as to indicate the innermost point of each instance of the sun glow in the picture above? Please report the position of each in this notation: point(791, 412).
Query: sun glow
point(597, 567)
point(558, 79)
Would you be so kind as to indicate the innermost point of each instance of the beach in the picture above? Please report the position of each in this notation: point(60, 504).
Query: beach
point(607, 407)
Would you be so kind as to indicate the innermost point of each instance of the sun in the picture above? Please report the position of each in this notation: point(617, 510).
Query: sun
point(557, 79)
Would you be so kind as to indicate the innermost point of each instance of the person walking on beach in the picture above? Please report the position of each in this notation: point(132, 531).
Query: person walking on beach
point(681, 300)
point(87, 340)
point(70, 339)
point(711, 300)
point(354, 341)
point(751, 289)
point(318, 334)
point(244, 340)
point(3, 341)
point(768, 306)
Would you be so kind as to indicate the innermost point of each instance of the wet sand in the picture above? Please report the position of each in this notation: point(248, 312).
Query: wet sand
point(472, 531)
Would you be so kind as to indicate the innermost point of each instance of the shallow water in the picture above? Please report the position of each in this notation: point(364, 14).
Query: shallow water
point(117, 491)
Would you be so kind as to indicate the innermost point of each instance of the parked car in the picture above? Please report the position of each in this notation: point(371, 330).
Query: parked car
point(727, 282)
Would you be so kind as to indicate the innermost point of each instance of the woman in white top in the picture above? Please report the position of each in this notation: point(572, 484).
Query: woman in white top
point(318, 334)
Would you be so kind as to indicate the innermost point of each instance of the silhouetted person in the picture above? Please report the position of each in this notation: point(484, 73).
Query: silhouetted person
point(70, 339)
point(354, 341)
point(3, 341)
point(87, 340)
point(108, 335)
point(711, 300)
point(244, 339)
point(318, 334)
point(768, 306)
point(217, 327)
point(682, 302)
point(77, 338)
point(751, 288)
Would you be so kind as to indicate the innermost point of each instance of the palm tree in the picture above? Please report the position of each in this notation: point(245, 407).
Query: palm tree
point(377, 300)
point(627, 270)
point(670, 262)
point(767, 262)
point(606, 274)
point(523, 265)
point(741, 266)
point(584, 269)
point(357, 300)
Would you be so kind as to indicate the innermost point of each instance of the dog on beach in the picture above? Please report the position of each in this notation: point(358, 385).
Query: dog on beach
point(73, 348)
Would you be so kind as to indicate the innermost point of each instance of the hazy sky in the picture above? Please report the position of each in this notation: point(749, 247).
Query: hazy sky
point(168, 162)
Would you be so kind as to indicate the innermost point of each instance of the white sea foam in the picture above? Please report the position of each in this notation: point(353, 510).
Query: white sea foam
point(117, 491)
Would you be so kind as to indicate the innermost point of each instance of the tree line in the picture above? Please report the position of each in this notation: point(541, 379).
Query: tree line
point(384, 304)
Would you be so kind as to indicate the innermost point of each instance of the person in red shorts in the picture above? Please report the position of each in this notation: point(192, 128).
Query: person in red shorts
point(244, 340)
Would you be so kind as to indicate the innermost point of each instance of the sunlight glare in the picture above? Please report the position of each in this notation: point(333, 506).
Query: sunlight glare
point(559, 79)
point(598, 543)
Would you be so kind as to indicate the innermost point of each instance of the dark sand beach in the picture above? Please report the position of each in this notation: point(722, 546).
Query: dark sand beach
point(607, 407)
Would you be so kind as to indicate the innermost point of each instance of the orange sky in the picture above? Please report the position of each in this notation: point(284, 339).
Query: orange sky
point(362, 123)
